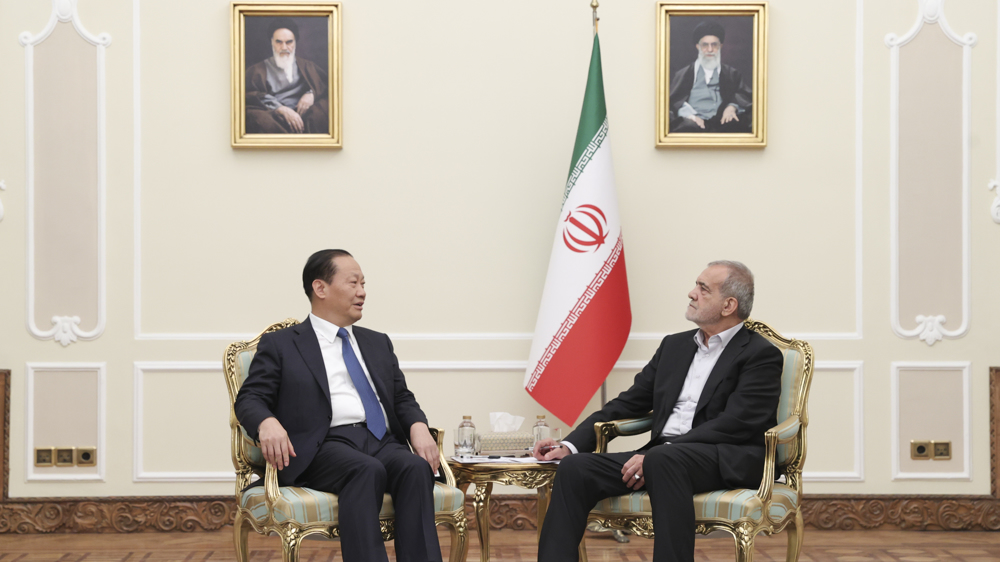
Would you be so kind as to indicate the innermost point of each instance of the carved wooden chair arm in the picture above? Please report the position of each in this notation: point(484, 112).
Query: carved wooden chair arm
point(449, 476)
point(785, 432)
point(606, 431)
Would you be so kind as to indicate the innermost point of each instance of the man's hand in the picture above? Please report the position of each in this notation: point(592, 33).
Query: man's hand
point(729, 114)
point(293, 119)
point(274, 443)
point(632, 474)
point(553, 450)
point(698, 120)
point(305, 102)
point(424, 445)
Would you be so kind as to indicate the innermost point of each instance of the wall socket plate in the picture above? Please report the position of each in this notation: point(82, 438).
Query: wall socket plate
point(920, 450)
point(941, 450)
point(64, 456)
point(45, 456)
point(86, 456)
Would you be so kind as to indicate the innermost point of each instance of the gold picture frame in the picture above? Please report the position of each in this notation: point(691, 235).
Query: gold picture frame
point(270, 107)
point(741, 64)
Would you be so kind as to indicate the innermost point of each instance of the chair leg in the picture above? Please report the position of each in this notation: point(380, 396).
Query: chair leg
point(744, 534)
point(459, 529)
point(583, 549)
point(794, 530)
point(291, 538)
point(241, 528)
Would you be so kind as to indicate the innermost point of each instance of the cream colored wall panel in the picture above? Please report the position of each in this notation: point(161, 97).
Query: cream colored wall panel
point(65, 138)
point(931, 402)
point(65, 407)
point(181, 423)
point(929, 177)
point(836, 434)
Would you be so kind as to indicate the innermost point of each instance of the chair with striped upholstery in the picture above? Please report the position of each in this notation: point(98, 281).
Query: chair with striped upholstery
point(293, 512)
point(773, 507)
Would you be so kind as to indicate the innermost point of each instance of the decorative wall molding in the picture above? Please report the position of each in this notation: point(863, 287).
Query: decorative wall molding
point(65, 329)
point(995, 208)
point(3, 187)
point(29, 421)
point(965, 368)
point(930, 327)
point(139, 474)
point(858, 474)
point(856, 334)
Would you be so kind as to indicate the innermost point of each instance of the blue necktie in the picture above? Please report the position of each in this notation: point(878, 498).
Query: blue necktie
point(373, 412)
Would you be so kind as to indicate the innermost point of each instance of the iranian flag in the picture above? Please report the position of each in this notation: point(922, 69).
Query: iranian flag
point(584, 318)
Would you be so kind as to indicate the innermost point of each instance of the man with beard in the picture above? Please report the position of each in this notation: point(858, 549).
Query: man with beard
point(708, 96)
point(713, 392)
point(286, 94)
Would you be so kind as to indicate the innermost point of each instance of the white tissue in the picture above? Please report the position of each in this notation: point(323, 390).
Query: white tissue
point(503, 422)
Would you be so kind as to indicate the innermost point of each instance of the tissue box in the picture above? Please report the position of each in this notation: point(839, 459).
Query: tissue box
point(507, 443)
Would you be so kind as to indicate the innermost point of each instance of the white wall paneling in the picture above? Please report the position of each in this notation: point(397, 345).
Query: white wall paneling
point(29, 420)
point(965, 368)
point(995, 207)
point(139, 474)
point(3, 187)
point(858, 418)
point(65, 328)
point(930, 327)
point(856, 334)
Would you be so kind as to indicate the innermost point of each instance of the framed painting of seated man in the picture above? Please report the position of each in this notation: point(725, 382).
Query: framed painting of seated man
point(286, 74)
point(711, 74)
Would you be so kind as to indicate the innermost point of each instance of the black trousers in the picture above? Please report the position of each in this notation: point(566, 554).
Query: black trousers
point(360, 469)
point(674, 473)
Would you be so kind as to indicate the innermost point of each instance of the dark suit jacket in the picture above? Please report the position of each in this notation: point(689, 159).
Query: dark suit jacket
point(732, 88)
point(739, 402)
point(288, 380)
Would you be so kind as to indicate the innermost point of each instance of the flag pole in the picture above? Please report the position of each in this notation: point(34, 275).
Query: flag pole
point(594, 4)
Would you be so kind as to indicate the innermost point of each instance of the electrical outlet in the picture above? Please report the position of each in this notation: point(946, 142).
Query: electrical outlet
point(920, 450)
point(941, 450)
point(86, 456)
point(44, 456)
point(64, 456)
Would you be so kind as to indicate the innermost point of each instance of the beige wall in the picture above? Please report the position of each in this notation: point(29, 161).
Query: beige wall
point(459, 120)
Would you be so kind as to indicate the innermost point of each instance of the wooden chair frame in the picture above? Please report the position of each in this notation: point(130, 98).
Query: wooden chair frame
point(290, 531)
point(790, 432)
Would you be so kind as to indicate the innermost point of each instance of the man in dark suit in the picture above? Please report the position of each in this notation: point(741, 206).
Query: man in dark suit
point(707, 96)
point(332, 412)
point(713, 393)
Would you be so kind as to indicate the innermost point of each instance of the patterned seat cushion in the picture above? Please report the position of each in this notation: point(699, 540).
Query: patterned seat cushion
point(306, 505)
point(721, 504)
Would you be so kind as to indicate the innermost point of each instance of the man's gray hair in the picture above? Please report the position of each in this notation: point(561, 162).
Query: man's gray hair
point(739, 285)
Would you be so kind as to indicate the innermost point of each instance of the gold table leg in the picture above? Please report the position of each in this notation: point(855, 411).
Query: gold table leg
point(543, 505)
point(481, 502)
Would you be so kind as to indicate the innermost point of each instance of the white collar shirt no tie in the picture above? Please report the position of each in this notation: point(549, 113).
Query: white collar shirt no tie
point(344, 399)
point(704, 361)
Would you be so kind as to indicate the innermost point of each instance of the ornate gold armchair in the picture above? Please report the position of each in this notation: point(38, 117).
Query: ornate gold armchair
point(292, 512)
point(744, 513)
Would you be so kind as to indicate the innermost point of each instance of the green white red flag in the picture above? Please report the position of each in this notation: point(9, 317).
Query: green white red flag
point(585, 316)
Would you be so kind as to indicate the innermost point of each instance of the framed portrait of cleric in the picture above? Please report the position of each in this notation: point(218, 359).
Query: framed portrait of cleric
point(711, 74)
point(286, 78)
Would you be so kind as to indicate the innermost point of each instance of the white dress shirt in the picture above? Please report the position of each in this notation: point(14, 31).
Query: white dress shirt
point(704, 361)
point(344, 398)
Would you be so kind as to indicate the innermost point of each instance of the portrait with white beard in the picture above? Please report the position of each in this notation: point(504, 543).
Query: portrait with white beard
point(708, 75)
point(286, 85)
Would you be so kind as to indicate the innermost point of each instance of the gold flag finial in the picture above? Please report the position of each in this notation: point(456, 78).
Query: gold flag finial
point(594, 5)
